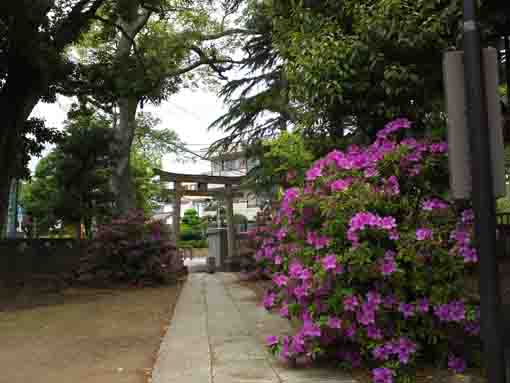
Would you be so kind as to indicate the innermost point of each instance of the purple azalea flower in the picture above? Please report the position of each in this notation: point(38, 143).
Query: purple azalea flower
point(405, 348)
point(390, 301)
point(467, 217)
point(284, 311)
point(280, 280)
point(341, 185)
point(334, 322)
point(370, 172)
point(469, 254)
point(434, 204)
point(382, 375)
point(350, 303)
point(451, 312)
point(392, 187)
point(456, 364)
point(374, 333)
point(301, 291)
point(388, 223)
point(317, 241)
point(440, 147)
point(472, 328)
point(329, 262)
point(305, 274)
point(314, 172)
point(295, 270)
point(374, 299)
point(339, 269)
point(366, 316)
point(394, 236)
point(423, 234)
point(269, 300)
point(394, 126)
point(381, 352)
point(350, 332)
point(285, 351)
point(423, 305)
point(407, 309)
point(281, 233)
point(388, 265)
point(311, 329)
point(271, 340)
point(462, 237)
point(297, 345)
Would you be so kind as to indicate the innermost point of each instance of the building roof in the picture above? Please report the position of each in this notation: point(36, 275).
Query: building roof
point(228, 156)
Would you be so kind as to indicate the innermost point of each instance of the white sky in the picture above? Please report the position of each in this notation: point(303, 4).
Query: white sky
point(188, 112)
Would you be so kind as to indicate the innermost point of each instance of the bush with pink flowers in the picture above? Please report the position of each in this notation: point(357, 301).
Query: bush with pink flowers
point(132, 249)
point(370, 256)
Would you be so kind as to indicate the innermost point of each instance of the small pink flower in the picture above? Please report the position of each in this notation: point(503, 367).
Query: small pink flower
point(329, 262)
point(334, 322)
point(423, 234)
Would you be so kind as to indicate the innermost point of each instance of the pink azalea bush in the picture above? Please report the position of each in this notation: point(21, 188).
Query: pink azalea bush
point(369, 255)
point(133, 249)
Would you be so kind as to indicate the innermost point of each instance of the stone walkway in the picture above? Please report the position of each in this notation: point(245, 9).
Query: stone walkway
point(217, 335)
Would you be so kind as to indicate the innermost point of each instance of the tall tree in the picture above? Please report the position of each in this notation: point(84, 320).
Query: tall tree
point(145, 55)
point(72, 184)
point(150, 145)
point(347, 68)
point(33, 37)
point(259, 102)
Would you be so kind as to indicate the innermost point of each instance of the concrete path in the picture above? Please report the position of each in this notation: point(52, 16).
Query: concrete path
point(217, 335)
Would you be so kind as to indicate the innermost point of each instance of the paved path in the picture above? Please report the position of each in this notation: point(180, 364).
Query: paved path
point(217, 335)
point(196, 265)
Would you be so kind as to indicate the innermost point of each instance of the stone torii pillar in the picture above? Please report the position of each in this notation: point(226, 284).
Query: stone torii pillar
point(176, 219)
point(231, 235)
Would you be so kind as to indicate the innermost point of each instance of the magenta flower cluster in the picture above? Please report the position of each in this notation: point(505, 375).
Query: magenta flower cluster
point(365, 220)
point(368, 258)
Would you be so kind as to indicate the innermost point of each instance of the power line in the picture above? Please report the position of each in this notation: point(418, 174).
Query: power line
point(187, 111)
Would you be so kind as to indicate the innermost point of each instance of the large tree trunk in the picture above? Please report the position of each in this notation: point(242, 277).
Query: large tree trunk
point(123, 187)
point(18, 97)
point(15, 107)
point(132, 22)
point(30, 68)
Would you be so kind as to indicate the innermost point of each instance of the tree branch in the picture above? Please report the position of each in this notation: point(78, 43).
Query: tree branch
point(228, 32)
point(70, 28)
point(162, 9)
point(140, 21)
point(125, 33)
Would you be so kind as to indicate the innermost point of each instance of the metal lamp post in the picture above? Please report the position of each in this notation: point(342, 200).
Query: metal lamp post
point(483, 197)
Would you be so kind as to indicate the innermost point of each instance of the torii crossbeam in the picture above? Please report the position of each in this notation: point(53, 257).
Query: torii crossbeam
point(230, 189)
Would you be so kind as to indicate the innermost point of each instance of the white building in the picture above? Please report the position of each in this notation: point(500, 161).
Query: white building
point(234, 165)
point(229, 165)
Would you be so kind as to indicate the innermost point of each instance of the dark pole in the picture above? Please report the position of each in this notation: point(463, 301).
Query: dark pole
point(507, 68)
point(483, 197)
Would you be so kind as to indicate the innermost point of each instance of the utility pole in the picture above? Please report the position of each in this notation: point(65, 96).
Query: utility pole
point(483, 197)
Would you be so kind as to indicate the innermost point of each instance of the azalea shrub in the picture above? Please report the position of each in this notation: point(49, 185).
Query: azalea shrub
point(370, 256)
point(132, 249)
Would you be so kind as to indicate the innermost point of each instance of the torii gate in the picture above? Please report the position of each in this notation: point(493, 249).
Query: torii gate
point(230, 189)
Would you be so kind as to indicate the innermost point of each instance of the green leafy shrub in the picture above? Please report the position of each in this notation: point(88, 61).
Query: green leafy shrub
point(195, 244)
point(191, 226)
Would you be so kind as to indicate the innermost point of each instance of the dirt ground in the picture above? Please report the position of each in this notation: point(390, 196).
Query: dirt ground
point(83, 335)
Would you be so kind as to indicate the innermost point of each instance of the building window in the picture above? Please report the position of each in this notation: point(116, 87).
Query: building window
point(252, 202)
point(229, 164)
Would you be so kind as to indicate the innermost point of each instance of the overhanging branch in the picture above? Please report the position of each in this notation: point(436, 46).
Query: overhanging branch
point(70, 28)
